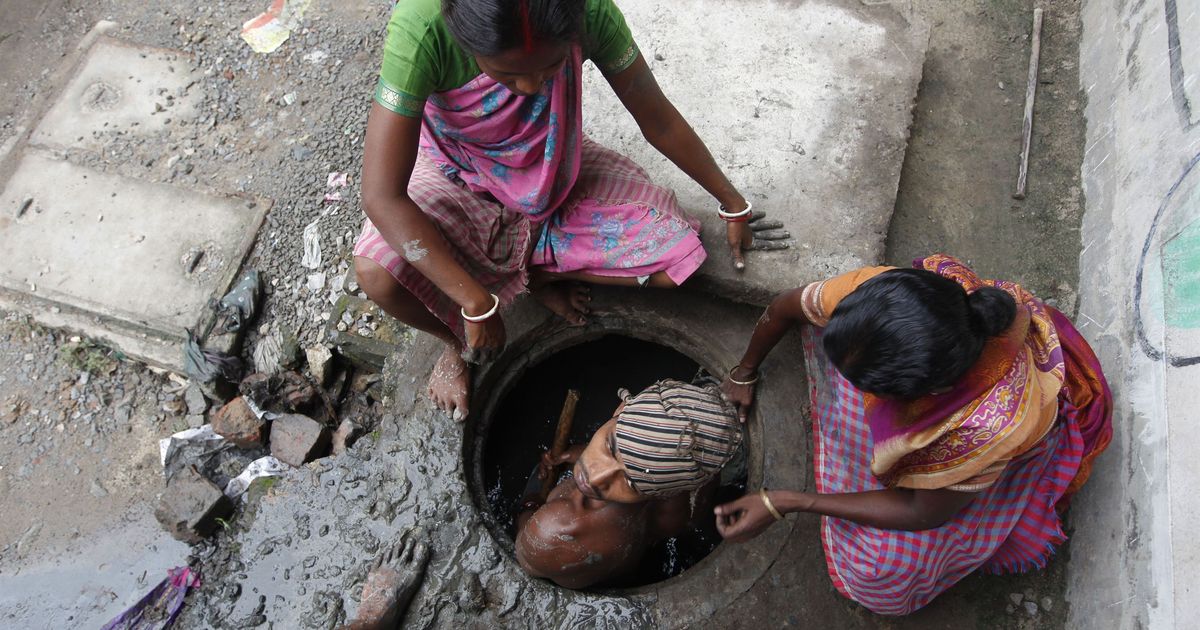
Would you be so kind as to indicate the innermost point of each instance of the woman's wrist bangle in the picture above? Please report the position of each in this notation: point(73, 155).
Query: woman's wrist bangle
point(762, 492)
point(734, 216)
point(478, 318)
point(737, 382)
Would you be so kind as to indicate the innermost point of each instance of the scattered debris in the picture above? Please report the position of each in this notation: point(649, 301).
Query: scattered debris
point(297, 439)
point(216, 373)
point(191, 506)
point(240, 305)
point(90, 356)
point(262, 467)
point(97, 490)
point(268, 353)
point(276, 394)
point(347, 432)
point(312, 245)
point(337, 180)
point(170, 447)
point(196, 403)
point(1030, 95)
point(320, 359)
point(364, 334)
point(159, 608)
point(267, 31)
point(316, 281)
point(239, 425)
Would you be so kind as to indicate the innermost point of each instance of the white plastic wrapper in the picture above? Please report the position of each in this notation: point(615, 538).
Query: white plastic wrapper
point(204, 434)
point(262, 467)
point(312, 246)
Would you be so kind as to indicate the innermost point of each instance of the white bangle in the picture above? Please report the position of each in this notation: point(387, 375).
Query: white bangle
point(734, 215)
point(478, 318)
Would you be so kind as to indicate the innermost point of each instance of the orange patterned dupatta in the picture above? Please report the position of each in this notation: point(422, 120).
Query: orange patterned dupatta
point(999, 409)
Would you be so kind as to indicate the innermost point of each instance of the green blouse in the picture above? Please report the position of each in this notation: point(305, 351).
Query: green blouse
point(421, 56)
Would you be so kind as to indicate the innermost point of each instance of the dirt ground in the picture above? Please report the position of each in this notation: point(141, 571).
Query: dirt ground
point(78, 449)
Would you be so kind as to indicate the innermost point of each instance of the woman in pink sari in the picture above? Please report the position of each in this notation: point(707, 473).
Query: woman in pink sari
point(953, 419)
point(478, 183)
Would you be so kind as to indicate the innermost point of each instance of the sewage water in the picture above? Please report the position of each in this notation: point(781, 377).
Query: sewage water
point(524, 423)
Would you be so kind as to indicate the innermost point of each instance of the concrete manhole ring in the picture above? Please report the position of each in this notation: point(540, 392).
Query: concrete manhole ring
point(711, 332)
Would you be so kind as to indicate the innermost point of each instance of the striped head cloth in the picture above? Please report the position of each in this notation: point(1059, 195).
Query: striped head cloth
point(673, 437)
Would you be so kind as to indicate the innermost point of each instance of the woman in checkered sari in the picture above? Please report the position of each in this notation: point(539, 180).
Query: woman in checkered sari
point(953, 419)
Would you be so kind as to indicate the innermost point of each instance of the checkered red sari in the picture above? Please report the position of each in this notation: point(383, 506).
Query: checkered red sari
point(1012, 526)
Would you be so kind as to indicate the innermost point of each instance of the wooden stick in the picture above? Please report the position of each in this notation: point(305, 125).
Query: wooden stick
point(1035, 54)
point(561, 433)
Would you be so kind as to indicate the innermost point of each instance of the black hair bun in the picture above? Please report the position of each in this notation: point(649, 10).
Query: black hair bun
point(992, 311)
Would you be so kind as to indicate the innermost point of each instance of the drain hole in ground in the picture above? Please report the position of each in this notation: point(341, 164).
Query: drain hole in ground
point(523, 428)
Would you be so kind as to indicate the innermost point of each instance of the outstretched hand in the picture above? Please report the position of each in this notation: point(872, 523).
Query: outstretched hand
point(743, 519)
point(755, 235)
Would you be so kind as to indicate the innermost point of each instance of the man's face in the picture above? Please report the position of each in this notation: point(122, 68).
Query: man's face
point(599, 472)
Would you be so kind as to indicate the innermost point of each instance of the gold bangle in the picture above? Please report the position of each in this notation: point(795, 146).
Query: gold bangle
point(737, 382)
point(762, 492)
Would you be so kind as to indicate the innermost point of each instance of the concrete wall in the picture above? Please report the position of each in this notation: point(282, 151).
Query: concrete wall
point(1134, 551)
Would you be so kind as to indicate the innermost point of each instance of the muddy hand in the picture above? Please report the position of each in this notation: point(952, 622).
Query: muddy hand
point(767, 235)
point(549, 463)
point(757, 234)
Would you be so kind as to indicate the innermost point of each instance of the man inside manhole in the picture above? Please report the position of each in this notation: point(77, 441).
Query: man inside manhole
point(641, 478)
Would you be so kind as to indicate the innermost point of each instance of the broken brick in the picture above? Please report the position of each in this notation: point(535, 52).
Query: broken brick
point(238, 425)
point(296, 439)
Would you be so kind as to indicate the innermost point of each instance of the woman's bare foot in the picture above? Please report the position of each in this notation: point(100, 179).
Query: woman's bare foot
point(391, 584)
point(569, 300)
point(449, 382)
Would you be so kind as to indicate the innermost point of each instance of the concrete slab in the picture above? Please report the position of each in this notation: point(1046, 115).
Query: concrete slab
point(815, 135)
point(119, 86)
point(126, 260)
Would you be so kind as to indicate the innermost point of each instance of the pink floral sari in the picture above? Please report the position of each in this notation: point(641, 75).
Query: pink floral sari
point(511, 181)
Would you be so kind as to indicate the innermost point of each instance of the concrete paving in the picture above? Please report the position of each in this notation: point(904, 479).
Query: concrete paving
point(128, 261)
point(793, 133)
point(138, 90)
point(136, 261)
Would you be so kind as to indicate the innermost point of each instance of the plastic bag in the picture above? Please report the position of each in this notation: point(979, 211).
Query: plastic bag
point(240, 305)
point(159, 608)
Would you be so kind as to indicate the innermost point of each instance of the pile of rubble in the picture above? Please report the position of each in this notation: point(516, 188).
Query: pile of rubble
point(298, 407)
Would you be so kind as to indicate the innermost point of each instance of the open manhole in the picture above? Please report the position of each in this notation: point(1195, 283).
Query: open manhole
point(520, 427)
